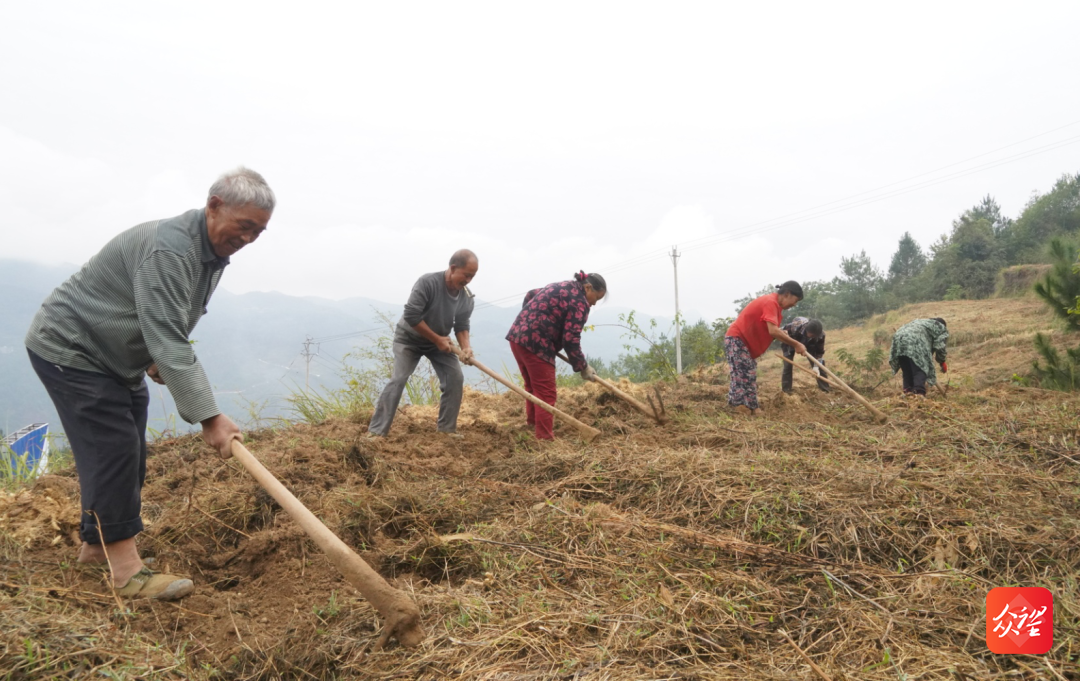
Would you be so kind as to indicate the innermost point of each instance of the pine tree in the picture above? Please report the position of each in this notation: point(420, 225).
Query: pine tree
point(1061, 291)
point(1054, 371)
point(859, 287)
point(907, 261)
point(989, 210)
point(1061, 286)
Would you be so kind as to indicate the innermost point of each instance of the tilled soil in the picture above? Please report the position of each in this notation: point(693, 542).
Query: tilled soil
point(716, 546)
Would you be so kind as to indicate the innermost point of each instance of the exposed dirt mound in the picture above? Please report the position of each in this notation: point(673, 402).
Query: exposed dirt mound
point(1018, 280)
point(713, 547)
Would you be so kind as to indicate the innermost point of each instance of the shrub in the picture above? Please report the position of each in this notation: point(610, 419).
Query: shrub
point(1054, 371)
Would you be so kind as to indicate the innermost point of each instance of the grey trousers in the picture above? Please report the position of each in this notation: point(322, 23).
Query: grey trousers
point(451, 382)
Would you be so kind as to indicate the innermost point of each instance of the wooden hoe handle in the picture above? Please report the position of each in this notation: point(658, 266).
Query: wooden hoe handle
point(820, 378)
point(635, 403)
point(879, 415)
point(588, 433)
point(400, 614)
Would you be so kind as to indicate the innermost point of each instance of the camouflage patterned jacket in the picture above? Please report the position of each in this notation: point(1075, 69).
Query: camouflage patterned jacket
point(923, 340)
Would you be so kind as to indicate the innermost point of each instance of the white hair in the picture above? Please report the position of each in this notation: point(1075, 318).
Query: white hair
point(243, 186)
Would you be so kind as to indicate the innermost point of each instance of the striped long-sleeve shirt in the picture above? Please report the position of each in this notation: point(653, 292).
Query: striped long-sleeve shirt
point(134, 304)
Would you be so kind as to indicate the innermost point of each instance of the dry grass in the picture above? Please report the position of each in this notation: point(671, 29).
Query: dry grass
point(990, 340)
point(712, 548)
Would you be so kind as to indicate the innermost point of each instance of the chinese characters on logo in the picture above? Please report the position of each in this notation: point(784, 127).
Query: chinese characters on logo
point(1020, 620)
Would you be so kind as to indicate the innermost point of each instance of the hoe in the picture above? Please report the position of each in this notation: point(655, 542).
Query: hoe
point(649, 410)
point(588, 433)
point(835, 381)
point(401, 616)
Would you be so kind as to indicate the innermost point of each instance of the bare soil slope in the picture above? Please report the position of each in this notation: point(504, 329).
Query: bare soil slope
point(715, 547)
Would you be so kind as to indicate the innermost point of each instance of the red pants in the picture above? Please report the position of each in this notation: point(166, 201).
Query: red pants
point(539, 377)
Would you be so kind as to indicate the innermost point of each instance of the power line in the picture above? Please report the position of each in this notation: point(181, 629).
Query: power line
point(847, 203)
point(930, 172)
point(765, 226)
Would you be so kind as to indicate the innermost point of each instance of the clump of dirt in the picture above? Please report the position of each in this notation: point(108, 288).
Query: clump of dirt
point(45, 514)
point(710, 547)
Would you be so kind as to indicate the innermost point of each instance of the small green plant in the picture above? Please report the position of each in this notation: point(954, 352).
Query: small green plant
point(653, 362)
point(365, 371)
point(882, 338)
point(954, 292)
point(255, 410)
point(14, 470)
point(328, 611)
point(863, 373)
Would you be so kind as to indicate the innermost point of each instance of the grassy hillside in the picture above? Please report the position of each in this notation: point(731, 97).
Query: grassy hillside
point(989, 340)
point(715, 547)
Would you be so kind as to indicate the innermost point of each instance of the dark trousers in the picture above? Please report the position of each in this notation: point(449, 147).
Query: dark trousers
point(914, 377)
point(105, 423)
point(538, 375)
point(451, 383)
point(785, 377)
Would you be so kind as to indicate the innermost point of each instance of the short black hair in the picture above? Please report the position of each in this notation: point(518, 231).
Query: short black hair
point(814, 328)
point(941, 321)
point(791, 287)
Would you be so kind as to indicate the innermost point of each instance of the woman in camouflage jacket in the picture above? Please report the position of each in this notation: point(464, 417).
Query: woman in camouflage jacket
point(915, 347)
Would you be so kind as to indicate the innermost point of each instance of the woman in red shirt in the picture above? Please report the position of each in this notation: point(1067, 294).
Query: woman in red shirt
point(751, 335)
point(552, 319)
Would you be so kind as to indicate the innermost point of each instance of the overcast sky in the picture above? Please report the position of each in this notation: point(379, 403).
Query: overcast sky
point(548, 137)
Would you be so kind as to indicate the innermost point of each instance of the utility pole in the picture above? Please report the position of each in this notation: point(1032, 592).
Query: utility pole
point(678, 331)
point(308, 354)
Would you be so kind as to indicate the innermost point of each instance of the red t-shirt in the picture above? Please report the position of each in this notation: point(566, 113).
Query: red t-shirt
point(751, 324)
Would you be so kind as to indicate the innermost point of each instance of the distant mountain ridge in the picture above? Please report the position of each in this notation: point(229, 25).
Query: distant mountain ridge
point(249, 344)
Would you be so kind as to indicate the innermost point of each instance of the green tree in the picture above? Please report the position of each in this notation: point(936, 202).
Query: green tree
point(907, 262)
point(702, 345)
point(1056, 213)
point(1061, 291)
point(969, 258)
point(859, 288)
point(1053, 371)
point(1060, 288)
point(1076, 270)
point(741, 303)
point(989, 210)
point(820, 302)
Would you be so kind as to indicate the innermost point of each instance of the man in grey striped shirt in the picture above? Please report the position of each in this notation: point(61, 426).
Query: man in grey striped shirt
point(126, 314)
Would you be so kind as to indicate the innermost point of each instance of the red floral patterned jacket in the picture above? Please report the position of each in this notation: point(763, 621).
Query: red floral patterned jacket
point(552, 319)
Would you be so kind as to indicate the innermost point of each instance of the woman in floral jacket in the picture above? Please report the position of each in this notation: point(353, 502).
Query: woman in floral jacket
point(552, 319)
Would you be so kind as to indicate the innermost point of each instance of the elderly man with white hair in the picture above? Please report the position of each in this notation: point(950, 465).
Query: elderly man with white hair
point(126, 314)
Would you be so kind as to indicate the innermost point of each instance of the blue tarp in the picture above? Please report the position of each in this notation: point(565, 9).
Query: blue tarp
point(31, 446)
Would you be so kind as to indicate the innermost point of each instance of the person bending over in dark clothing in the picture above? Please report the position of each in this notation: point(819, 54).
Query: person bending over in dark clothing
point(809, 333)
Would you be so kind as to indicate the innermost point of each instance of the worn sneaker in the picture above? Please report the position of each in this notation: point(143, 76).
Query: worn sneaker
point(145, 584)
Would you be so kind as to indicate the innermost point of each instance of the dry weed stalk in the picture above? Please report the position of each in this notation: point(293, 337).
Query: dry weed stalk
point(817, 546)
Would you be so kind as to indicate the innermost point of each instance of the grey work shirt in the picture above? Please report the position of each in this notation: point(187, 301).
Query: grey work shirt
point(431, 302)
point(134, 304)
